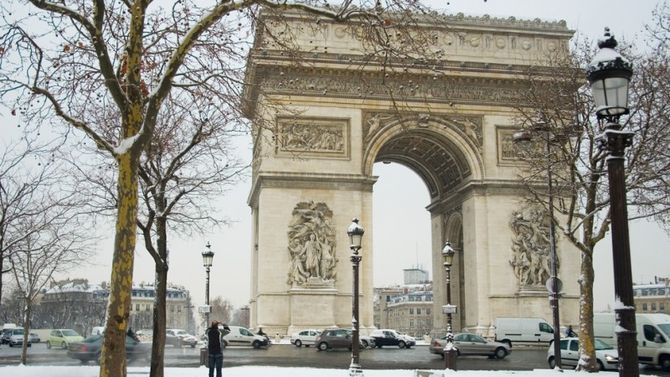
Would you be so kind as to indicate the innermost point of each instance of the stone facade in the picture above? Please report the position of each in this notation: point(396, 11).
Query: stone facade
point(653, 297)
point(325, 113)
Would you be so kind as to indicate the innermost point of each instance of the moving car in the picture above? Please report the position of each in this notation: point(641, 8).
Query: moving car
point(6, 333)
point(16, 337)
point(63, 338)
point(89, 349)
point(34, 338)
point(471, 344)
point(305, 337)
point(387, 337)
point(340, 338)
point(607, 357)
point(242, 336)
point(178, 338)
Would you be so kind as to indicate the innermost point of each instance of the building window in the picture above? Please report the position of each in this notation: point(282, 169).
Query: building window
point(653, 306)
point(644, 307)
point(411, 310)
point(428, 311)
point(661, 306)
point(645, 292)
point(137, 307)
point(418, 311)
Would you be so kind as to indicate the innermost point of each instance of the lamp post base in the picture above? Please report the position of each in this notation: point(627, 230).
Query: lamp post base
point(355, 370)
point(450, 359)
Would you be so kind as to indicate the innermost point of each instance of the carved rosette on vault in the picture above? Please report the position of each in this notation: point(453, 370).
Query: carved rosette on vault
point(531, 253)
point(311, 246)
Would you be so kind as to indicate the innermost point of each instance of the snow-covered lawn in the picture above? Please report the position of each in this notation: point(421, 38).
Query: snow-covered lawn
point(253, 371)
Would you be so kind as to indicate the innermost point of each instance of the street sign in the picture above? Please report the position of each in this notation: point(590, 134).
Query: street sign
point(204, 309)
point(448, 309)
point(550, 285)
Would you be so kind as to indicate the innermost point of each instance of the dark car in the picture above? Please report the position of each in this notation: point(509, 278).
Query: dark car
point(4, 336)
point(89, 349)
point(334, 338)
point(387, 337)
point(471, 344)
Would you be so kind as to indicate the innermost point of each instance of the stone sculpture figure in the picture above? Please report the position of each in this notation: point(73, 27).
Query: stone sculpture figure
point(530, 247)
point(311, 246)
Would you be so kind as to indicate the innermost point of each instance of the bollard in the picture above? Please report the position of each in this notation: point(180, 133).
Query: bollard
point(204, 357)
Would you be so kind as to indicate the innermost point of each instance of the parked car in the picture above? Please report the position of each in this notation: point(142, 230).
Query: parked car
point(178, 338)
point(340, 338)
point(305, 337)
point(89, 349)
point(242, 336)
point(529, 330)
point(63, 337)
point(387, 337)
point(471, 344)
point(16, 337)
point(607, 356)
point(34, 338)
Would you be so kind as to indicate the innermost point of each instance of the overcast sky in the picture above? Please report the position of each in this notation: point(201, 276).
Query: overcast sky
point(400, 196)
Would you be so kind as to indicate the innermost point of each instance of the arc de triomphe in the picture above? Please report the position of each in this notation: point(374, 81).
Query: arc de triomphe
point(322, 124)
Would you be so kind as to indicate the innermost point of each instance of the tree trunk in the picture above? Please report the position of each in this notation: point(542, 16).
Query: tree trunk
point(587, 356)
point(160, 309)
point(158, 342)
point(113, 359)
point(27, 313)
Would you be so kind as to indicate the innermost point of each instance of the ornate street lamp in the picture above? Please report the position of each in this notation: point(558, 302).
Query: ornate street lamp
point(207, 258)
point(450, 351)
point(609, 75)
point(355, 233)
point(553, 284)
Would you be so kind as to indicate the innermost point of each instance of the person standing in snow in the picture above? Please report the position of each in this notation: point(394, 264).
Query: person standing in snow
point(214, 348)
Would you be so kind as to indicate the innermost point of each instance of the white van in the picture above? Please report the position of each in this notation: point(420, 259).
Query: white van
point(510, 330)
point(242, 336)
point(653, 336)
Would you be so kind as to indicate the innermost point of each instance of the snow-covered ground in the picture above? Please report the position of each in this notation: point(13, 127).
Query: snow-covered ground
point(258, 371)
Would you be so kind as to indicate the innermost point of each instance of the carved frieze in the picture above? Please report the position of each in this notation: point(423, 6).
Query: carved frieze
point(508, 152)
point(468, 126)
point(331, 83)
point(311, 246)
point(531, 253)
point(313, 136)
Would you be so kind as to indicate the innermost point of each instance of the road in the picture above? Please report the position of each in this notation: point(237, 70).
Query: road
point(287, 355)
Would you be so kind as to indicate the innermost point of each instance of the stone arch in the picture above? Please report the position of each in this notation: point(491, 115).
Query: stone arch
point(435, 148)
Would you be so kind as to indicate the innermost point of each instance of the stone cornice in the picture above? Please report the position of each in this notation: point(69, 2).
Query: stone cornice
point(291, 180)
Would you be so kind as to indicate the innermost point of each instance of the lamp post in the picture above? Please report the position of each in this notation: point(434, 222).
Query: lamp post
point(553, 285)
point(207, 257)
point(609, 75)
point(450, 351)
point(355, 233)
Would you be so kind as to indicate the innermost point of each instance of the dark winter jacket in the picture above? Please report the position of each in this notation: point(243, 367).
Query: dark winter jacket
point(214, 341)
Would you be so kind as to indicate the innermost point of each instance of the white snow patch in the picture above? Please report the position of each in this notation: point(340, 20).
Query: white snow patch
point(260, 371)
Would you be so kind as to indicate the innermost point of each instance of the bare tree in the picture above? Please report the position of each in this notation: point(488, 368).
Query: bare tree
point(187, 165)
point(56, 239)
point(22, 176)
point(222, 310)
point(81, 61)
point(559, 110)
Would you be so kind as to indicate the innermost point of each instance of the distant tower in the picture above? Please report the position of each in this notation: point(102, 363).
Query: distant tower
point(415, 276)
